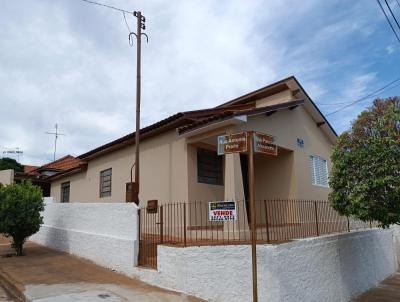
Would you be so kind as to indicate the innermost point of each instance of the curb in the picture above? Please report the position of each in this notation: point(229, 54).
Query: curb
point(11, 287)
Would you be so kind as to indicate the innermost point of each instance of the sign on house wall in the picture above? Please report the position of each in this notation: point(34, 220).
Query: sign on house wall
point(222, 211)
point(263, 143)
point(232, 143)
point(237, 143)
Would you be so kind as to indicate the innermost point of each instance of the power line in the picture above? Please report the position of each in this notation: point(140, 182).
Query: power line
point(391, 12)
point(108, 6)
point(126, 23)
point(349, 102)
point(364, 97)
point(387, 18)
point(113, 8)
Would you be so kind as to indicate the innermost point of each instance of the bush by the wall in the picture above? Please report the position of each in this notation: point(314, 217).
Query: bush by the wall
point(20, 207)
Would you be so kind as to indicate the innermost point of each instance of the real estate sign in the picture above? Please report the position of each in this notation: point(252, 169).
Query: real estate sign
point(222, 211)
point(232, 143)
point(263, 143)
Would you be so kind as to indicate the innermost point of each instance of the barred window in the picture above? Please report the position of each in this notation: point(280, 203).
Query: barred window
point(319, 171)
point(105, 183)
point(209, 167)
point(65, 188)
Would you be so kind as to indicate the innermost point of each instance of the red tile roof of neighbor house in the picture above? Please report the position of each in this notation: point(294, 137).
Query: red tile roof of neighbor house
point(65, 163)
point(29, 169)
point(62, 165)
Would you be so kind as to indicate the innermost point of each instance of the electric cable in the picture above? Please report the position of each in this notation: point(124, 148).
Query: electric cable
point(387, 18)
point(363, 98)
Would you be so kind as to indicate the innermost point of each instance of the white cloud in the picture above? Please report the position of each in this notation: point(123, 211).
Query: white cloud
point(70, 62)
point(390, 49)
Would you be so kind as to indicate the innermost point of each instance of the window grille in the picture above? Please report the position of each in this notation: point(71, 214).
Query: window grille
point(105, 183)
point(209, 167)
point(65, 188)
point(319, 171)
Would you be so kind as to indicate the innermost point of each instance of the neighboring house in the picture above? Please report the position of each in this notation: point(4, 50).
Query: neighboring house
point(179, 162)
point(39, 175)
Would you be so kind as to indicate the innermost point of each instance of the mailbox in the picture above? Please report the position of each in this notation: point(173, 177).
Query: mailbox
point(152, 206)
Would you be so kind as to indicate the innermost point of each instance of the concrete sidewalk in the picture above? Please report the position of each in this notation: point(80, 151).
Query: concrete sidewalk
point(47, 275)
point(386, 291)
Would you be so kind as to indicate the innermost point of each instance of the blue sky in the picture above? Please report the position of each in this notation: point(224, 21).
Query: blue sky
point(69, 62)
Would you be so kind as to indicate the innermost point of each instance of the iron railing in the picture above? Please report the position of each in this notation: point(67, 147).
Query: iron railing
point(277, 221)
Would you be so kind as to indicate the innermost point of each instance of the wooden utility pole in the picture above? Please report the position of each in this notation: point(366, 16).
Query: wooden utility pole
point(252, 213)
point(140, 25)
point(250, 142)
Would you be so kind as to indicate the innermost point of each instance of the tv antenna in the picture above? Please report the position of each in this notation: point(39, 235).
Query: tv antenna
point(14, 151)
point(56, 135)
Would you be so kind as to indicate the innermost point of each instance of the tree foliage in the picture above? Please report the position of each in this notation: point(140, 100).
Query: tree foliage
point(365, 178)
point(20, 207)
point(10, 163)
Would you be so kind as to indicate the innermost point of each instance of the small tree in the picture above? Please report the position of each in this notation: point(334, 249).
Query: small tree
point(20, 207)
point(365, 178)
point(9, 163)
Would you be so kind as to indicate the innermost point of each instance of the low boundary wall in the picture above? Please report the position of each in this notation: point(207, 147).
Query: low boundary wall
point(105, 233)
point(330, 268)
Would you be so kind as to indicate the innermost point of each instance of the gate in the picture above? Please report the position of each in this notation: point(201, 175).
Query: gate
point(150, 235)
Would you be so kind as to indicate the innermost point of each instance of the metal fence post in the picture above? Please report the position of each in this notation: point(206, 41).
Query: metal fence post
point(162, 224)
point(348, 224)
point(266, 219)
point(184, 224)
point(316, 216)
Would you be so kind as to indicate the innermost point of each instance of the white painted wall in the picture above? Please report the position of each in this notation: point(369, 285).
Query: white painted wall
point(396, 241)
point(331, 268)
point(7, 177)
point(104, 233)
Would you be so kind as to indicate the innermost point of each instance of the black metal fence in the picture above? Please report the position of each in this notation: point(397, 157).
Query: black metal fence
point(277, 221)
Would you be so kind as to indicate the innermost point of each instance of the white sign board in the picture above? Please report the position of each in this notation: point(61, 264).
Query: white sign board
point(222, 211)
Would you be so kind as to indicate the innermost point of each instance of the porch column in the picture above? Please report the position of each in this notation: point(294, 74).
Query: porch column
point(233, 178)
point(234, 191)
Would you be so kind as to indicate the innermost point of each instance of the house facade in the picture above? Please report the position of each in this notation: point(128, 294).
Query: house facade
point(179, 160)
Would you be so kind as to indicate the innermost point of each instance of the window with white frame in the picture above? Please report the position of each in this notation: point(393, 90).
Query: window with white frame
point(319, 171)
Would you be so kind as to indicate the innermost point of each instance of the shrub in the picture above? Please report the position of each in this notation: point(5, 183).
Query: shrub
point(20, 207)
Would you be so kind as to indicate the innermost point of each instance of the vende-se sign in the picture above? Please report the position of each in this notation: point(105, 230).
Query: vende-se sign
point(232, 143)
point(263, 143)
point(222, 211)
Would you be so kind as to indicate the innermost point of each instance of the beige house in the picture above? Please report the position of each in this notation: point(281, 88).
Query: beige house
point(179, 161)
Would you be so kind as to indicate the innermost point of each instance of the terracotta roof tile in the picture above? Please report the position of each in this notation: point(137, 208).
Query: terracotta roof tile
point(64, 163)
point(29, 169)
